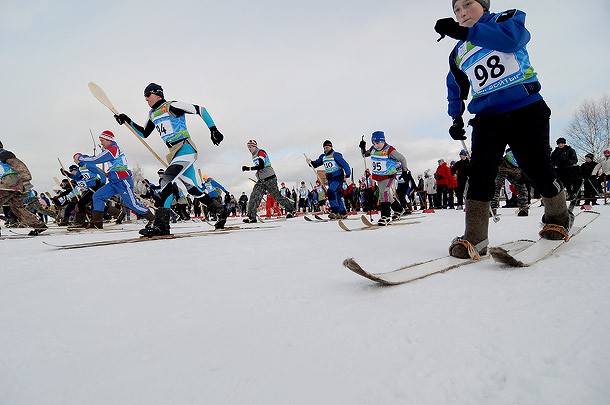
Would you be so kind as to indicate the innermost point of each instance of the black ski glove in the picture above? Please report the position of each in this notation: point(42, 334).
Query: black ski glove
point(362, 145)
point(245, 169)
point(450, 27)
point(216, 136)
point(122, 119)
point(457, 129)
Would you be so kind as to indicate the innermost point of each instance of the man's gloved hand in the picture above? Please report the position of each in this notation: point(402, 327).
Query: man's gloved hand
point(122, 119)
point(450, 27)
point(245, 169)
point(362, 145)
point(456, 130)
point(216, 136)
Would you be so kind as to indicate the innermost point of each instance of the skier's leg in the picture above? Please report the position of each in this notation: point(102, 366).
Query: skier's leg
point(271, 186)
point(255, 199)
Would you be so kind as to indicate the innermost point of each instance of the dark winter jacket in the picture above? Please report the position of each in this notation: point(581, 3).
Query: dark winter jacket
point(461, 168)
point(564, 157)
point(586, 169)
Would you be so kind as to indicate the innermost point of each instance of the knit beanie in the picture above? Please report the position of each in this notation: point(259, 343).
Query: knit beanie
point(154, 88)
point(327, 143)
point(378, 136)
point(252, 142)
point(107, 135)
point(484, 3)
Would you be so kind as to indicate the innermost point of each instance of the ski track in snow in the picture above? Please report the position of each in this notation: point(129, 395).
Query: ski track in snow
point(271, 317)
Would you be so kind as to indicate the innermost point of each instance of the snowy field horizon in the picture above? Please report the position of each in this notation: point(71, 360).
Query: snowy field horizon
point(270, 316)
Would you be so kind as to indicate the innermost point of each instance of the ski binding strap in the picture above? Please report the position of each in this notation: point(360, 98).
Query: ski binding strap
point(473, 250)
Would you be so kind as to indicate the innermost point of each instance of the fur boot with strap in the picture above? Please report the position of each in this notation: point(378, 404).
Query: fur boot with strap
point(474, 242)
point(386, 211)
point(557, 219)
point(97, 220)
point(80, 219)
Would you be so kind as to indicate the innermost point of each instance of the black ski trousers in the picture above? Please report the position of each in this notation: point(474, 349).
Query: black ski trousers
point(527, 131)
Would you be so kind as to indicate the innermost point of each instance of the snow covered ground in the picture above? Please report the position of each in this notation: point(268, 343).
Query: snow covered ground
point(271, 317)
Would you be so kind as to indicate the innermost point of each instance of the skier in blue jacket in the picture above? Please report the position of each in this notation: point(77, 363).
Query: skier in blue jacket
point(337, 171)
point(119, 180)
point(491, 61)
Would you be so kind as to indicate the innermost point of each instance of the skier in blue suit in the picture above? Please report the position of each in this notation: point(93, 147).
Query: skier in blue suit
point(337, 171)
point(119, 180)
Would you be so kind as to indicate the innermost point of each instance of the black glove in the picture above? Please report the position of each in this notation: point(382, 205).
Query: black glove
point(245, 169)
point(122, 119)
point(457, 129)
point(64, 172)
point(362, 145)
point(215, 135)
point(450, 27)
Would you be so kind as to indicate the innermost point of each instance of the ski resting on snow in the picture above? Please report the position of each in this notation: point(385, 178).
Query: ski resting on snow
point(225, 230)
point(369, 226)
point(417, 271)
point(542, 248)
point(520, 253)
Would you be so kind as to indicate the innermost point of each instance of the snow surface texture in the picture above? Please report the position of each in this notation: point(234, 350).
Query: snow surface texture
point(271, 317)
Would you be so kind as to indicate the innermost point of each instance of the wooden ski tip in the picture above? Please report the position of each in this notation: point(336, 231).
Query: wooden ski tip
point(500, 255)
point(351, 264)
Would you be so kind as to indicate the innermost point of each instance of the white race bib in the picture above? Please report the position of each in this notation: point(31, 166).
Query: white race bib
point(165, 128)
point(492, 69)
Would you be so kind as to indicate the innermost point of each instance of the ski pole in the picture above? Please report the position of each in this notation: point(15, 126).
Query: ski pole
point(314, 170)
point(69, 181)
point(94, 144)
point(366, 187)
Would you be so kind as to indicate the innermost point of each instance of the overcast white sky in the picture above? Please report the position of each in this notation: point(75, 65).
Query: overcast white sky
point(288, 74)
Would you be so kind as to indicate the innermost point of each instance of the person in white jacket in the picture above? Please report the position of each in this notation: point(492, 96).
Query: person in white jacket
point(430, 187)
point(603, 168)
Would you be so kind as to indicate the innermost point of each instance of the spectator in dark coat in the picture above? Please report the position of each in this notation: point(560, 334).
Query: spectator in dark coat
point(564, 161)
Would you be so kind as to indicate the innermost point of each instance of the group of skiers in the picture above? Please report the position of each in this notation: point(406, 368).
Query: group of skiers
point(490, 61)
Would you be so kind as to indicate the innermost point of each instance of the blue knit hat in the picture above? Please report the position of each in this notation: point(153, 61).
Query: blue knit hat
point(378, 136)
point(463, 152)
